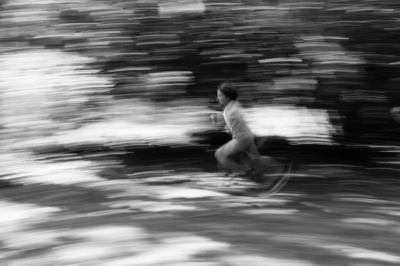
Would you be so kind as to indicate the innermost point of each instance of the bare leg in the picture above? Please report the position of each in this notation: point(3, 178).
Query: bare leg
point(229, 164)
point(261, 164)
point(224, 156)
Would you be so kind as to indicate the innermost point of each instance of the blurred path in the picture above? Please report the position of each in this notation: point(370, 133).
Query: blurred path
point(327, 215)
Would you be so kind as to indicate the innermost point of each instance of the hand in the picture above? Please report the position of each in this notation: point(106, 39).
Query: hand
point(215, 118)
point(396, 114)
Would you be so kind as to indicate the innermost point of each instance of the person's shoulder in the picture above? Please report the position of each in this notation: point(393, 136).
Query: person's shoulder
point(236, 109)
point(236, 105)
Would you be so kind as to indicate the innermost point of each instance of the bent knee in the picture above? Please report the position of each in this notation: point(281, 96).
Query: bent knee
point(218, 153)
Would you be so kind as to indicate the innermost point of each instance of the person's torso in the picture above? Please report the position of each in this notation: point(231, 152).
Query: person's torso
point(235, 121)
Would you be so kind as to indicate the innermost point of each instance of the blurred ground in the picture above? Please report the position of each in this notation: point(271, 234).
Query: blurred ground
point(326, 215)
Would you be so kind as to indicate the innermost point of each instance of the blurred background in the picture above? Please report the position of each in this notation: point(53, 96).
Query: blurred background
point(96, 91)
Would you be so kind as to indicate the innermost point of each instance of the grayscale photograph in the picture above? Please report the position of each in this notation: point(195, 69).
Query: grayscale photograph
point(199, 133)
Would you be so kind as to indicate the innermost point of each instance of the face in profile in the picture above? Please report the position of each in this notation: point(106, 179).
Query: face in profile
point(222, 99)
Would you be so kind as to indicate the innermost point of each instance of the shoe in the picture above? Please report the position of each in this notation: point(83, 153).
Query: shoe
point(256, 176)
point(246, 174)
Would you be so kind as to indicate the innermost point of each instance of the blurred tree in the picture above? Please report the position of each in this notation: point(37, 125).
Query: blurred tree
point(330, 54)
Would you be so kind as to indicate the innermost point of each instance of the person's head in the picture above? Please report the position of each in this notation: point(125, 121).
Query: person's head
point(226, 93)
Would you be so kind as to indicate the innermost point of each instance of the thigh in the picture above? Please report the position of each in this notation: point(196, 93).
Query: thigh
point(252, 150)
point(249, 154)
point(231, 149)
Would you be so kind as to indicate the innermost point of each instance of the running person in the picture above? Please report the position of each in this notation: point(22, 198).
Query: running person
point(242, 145)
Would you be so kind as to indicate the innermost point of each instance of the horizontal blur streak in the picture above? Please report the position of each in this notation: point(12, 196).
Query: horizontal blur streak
point(44, 91)
point(181, 7)
point(291, 122)
point(104, 120)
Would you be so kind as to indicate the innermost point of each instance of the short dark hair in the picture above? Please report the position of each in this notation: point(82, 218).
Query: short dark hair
point(228, 89)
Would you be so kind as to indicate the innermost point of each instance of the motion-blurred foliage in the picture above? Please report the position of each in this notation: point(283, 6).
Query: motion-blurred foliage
point(334, 55)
